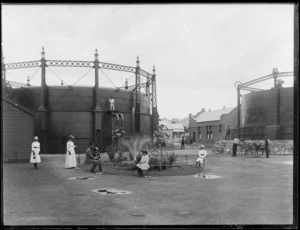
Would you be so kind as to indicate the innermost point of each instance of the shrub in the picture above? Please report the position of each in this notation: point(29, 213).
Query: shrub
point(166, 161)
point(111, 155)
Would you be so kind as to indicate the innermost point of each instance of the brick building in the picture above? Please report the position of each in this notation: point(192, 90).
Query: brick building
point(17, 132)
point(208, 127)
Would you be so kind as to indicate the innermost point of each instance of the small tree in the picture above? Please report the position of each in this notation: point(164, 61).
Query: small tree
point(159, 137)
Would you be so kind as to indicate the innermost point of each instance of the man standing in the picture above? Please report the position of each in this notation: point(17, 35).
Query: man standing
point(182, 142)
point(91, 159)
point(236, 141)
point(267, 146)
point(227, 137)
point(112, 103)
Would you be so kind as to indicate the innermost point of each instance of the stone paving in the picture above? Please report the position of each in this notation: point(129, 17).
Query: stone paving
point(237, 191)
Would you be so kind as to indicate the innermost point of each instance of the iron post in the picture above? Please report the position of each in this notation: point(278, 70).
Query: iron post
point(155, 115)
point(138, 97)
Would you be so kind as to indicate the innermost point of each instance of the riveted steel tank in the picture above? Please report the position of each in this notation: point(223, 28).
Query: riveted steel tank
point(260, 109)
point(70, 110)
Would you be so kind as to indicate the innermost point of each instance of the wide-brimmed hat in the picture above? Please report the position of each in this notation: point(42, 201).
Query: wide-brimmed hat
point(71, 137)
point(96, 149)
point(35, 138)
point(202, 147)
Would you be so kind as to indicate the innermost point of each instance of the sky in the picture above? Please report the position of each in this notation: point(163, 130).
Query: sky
point(199, 50)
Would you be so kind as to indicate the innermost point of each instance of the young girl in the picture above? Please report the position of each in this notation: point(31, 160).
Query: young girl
point(35, 152)
point(143, 164)
point(202, 157)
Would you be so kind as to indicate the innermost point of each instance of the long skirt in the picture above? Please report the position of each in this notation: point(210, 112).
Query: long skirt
point(37, 156)
point(70, 159)
point(144, 166)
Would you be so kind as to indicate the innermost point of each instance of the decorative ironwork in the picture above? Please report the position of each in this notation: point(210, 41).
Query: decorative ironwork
point(21, 65)
point(110, 66)
point(286, 74)
point(154, 96)
point(281, 74)
point(237, 84)
point(138, 85)
point(132, 87)
point(98, 138)
point(15, 84)
point(145, 74)
point(250, 89)
point(61, 63)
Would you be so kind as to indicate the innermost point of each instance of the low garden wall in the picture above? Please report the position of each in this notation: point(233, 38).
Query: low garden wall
point(277, 147)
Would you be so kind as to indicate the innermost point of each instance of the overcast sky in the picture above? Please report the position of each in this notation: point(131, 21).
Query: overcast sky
point(199, 50)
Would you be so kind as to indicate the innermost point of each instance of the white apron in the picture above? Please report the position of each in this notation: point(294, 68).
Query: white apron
point(202, 156)
point(143, 165)
point(70, 155)
point(35, 151)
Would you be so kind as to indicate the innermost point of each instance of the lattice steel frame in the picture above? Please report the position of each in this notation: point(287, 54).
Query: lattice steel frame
point(83, 64)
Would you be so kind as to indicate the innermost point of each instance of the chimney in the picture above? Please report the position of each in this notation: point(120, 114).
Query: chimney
point(209, 110)
point(224, 107)
point(202, 110)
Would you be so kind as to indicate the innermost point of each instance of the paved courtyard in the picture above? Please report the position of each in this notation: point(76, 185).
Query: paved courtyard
point(246, 191)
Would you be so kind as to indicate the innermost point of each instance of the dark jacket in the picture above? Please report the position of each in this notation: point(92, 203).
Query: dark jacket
point(89, 157)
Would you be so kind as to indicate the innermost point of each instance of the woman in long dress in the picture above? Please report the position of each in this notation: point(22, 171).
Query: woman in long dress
point(70, 154)
point(35, 157)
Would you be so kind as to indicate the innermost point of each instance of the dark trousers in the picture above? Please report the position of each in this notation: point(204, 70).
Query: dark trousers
point(182, 146)
point(267, 152)
point(140, 172)
point(95, 164)
point(227, 137)
point(234, 150)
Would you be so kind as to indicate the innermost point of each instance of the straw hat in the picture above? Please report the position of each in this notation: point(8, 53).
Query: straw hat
point(202, 147)
point(35, 138)
point(71, 137)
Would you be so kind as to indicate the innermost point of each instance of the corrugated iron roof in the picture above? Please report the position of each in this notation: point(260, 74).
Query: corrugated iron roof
point(213, 115)
point(176, 127)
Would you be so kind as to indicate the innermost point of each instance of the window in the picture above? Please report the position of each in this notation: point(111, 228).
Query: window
point(207, 132)
point(220, 128)
point(199, 133)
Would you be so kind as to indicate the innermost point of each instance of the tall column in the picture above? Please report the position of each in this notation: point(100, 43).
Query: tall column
point(137, 97)
point(42, 112)
point(155, 115)
point(238, 109)
point(98, 113)
point(43, 103)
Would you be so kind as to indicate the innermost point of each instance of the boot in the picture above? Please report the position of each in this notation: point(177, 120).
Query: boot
point(100, 168)
point(93, 168)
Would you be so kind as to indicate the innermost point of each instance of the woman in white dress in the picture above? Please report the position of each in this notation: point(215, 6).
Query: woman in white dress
point(70, 154)
point(35, 157)
point(143, 164)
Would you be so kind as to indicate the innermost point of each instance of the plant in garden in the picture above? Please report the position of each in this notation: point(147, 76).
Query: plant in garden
point(159, 137)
